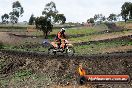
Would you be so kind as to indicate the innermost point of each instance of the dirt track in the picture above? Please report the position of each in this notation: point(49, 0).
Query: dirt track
point(59, 68)
point(18, 37)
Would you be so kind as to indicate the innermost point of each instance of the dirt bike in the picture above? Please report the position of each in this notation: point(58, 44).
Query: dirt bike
point(65, 48)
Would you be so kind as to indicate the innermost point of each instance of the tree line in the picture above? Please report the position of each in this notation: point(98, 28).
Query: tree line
point(51, 12)
point(17, 11)
point(126, 14)
point(101, 18)
point(50, 15)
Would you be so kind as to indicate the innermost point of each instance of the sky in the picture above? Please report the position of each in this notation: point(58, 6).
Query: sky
point(74, 10)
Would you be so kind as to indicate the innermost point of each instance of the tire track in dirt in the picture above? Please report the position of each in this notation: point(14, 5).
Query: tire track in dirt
point(59, 67)
point(94, 56)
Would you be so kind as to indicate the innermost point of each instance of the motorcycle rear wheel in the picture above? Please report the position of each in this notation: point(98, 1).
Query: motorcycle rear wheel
point(51, 51)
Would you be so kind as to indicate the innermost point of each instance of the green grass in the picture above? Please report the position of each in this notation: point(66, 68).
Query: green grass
point(93, 48)
point(81, 39)
point(14, 28)
point(22, 77)
point(87, 34)
point(120, 23)
point(2, 63)
point(24, 47)
point(99, 47)
point(80, 31)
point(76, 31)
point(4, 83)
point(90, 37)
point(23, 73)
point(26, 77)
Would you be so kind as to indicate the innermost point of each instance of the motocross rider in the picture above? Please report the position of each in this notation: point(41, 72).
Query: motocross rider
point(60, 35)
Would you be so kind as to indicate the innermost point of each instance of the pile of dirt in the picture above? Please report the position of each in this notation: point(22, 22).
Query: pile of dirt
point(113, 26)
point(22, 35)
point(63, 71)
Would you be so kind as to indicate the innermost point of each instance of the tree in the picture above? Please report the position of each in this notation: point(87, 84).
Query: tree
point(2, 17)
point(52, 13)
point(112, 17)
point(91, 20)
point(5, 18)
point(96, 16)
point(130, 16)
point(13, 18)
point(99, 17)
point(16, 12)
point(118, 17)
point(60, 18)
point(43, 24)
point(31, 20)
point(125, 10)
point(103, 18)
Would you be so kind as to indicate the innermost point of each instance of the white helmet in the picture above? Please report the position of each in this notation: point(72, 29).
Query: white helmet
point(63, 29)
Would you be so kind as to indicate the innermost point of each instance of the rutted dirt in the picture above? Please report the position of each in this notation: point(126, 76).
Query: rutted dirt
point(19, 37)
point(62, 71)
point(8, 39)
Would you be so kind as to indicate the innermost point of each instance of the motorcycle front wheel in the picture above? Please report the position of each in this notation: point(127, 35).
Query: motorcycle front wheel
point(70, 51)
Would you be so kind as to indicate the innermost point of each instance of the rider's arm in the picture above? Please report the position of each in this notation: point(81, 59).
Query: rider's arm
point(59, 35)
point(63, 35)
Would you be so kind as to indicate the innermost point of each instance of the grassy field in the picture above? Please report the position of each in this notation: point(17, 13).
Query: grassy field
point(27, 42)
point(127, 25)
point(98, 36)
point(102, 47)
point(28, 71)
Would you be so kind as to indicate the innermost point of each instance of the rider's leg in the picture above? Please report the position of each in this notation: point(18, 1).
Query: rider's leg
point(59, 43)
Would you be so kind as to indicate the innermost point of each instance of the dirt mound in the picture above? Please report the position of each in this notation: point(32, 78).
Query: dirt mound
point(128, 26)
point(6, 38)
point(17, 38)
point(22, 35)
point(113, 27)
point(61, 70)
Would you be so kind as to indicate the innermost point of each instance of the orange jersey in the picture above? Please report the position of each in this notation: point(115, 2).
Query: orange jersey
point(60, 35)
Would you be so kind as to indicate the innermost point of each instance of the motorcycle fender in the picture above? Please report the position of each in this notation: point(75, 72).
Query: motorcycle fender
point(70, 45)
point(54, 44)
